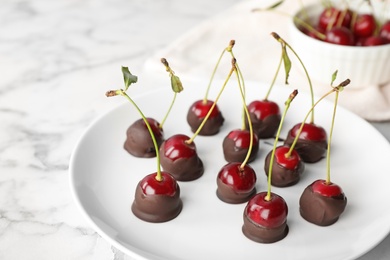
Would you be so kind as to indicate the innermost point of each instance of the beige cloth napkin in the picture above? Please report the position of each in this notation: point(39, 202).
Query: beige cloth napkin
point(258, 53)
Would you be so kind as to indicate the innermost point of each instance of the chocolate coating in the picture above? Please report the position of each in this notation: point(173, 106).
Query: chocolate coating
point(262, 234)
point(232, 153)
point(321, 210)
point(309, 151)
point(264, 128)
point(228, 195)
point(156, 208)
point(281, 176)
point(182, 169)
point(211, 127)
point(139, 143)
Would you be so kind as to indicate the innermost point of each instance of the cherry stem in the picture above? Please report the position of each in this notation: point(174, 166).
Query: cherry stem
point(171, 74)
point(287, 105)
point(229, 48)
point(279, 39)
point(246, 114)
point(121, 92)
point(189, 141)
point(275, 77)
point(337, 88)
point(330, 139)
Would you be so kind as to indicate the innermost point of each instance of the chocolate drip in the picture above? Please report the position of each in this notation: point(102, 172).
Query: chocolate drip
point(183, 169)
point(321, 210)
point(211, 127)
point(232, 153)
point(139, 142)
point(228, 195)
point(281, 176)
point(156, 208)
point(262, 234)
point(309, 151)
point(265, 128)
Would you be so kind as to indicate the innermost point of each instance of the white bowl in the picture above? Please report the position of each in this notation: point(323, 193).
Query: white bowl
point(364, 66)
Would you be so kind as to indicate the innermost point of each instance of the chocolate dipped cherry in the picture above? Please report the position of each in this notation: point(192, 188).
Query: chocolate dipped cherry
point(265, 218)
point(265, 215)
point(201, 109)
point(323, 201)
point(157, 196)
point(198, 112)
point(265, 117)
point(236, 145)
point(138, 141)
point(287, 168)
point(311, 143)
point(179, 157)
point(157, 200)
point(236, 183)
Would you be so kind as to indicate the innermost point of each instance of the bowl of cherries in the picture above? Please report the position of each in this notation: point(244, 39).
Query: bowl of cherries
point(352, 37)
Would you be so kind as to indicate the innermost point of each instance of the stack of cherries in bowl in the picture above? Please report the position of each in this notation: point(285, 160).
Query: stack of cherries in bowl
point(353, 39)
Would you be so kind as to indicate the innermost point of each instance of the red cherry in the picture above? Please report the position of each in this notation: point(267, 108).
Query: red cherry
point(340, 36)
point(375, 41)
point(310, 132)
point(364, 26)
point(385, 30)
point(264, 108)
point(291, 162)
point(157, 131)
point(200, 108)
point(167, 186)
point(333, 15)
point(176, 147)
point(241, 138)
point(326, 189)
point(270, 214)
point(240, 180)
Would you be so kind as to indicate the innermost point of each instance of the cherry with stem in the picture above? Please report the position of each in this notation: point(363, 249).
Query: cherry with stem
point(157, 196)
point(236, 180)
point(323, 201)
point(265, 215)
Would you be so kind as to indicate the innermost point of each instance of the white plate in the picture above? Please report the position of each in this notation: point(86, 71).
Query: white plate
point(103, 178)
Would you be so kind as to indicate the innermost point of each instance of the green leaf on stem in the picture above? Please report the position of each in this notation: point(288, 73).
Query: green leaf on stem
point(334, 76)
point(177, 86)
point(286, 62)
point(128, 77)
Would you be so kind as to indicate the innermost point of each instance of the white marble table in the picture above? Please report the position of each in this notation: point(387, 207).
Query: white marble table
point(57, 58)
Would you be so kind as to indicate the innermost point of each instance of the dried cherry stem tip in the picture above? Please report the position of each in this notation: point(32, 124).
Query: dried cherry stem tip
point(112, 93)
point(287, 105)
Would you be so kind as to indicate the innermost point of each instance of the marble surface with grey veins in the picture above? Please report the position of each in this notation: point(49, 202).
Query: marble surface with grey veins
point(56, 60)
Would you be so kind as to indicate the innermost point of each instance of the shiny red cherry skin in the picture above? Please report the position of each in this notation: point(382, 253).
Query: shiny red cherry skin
point(267, 213)
point(333, 15)
point(241, 138)
point(375, 41)
point(340, 36)
point(241, 180)
point(263, 108)
point(151, 186)
point(326, 189)
point(310, 132)
point(385, 30)
point(176, 147)
point(201, 108)
point(364, 25)
point(291, 162)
